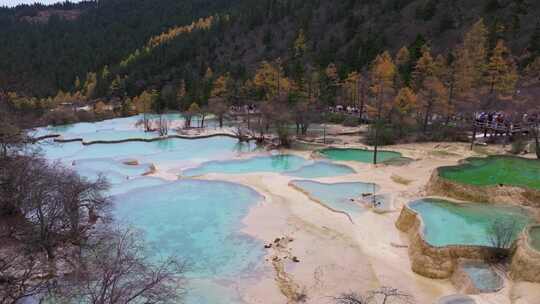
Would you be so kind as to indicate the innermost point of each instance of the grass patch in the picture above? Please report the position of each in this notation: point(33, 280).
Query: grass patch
point(401, 180)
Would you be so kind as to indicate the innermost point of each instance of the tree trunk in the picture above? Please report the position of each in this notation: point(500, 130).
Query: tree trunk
point(362, 103)
point(450, 102)
point(536, 141)
point(379, 112)
point(426, 117)
point(473, 135)
point(305, 128)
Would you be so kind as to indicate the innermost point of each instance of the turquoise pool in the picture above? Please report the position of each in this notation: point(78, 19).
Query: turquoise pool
point(184, 217)
point(274, 163)
point(287, 164)
point(337, 195)
point(128, 185)
point(108, 165)
point(447, 223)
point(113, 129)
point(321, 169)
point(484, 278)
point(199, 221)
point(165, 152)
point(359, 155)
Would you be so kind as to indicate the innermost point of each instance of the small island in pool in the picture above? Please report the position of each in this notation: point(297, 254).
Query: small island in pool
point(358, 155)
point(489, 179)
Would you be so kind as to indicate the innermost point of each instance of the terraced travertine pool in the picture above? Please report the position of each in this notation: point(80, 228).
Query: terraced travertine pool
point(200, 221)
point(169, 152)
point(484, 278)
point(337, 196)
point(534, 237)
point(186, 219)
point(282, 163)
point(448, 223)
point(495, 170)
point(113, 129)
point(359, 155)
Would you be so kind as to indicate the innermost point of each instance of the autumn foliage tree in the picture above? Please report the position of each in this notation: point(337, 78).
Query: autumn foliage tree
point(405, 104)
point(382, 74)
point(501, 71)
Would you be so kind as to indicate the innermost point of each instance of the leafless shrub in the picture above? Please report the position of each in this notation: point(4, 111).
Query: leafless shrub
point(241, 133)
point(116, 269)
point(383, 295)
point(12, 138)
point(21, 275)
point(162, 125)
point(350, 298)
point(502, 232)
point(218, 106)
point(145, 123)
point(501, 235)
point(55, 205)
point(387, 295)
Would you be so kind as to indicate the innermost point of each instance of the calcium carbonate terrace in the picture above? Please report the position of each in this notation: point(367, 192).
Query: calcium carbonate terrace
point(203, 220)
point(448, 223)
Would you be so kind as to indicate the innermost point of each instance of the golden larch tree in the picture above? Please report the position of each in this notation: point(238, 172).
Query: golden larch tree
point(382, 74)
point(501, 70)
point(475, 44)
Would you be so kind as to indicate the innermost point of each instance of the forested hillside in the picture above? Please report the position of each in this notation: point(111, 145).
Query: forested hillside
point(39, 58)
point(123, 48)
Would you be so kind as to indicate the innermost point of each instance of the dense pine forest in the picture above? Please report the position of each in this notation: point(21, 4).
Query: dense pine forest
point(41, 58)
point(442, 57)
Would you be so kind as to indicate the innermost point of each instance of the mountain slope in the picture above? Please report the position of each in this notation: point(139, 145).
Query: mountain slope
point(42, 57)
point(349, 33)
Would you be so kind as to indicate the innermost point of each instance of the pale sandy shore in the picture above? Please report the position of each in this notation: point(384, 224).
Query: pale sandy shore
point(334, 255)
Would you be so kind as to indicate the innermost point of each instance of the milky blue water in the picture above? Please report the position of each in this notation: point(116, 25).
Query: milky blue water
point(113, 129)
point(274, 163)
point(198, 220)
point(128, 185)
point(484, 278)
point(106, 165)
point(321, 169)
point(338, 195)
point(165, 152)
point(287, 164)
point(447, 223)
